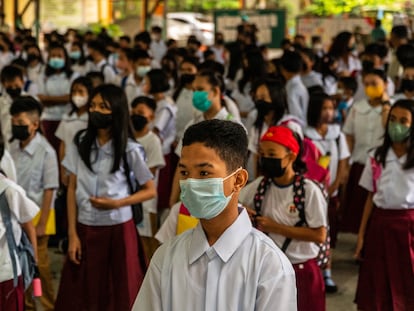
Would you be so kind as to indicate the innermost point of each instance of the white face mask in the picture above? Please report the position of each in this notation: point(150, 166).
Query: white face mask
point(79, 101)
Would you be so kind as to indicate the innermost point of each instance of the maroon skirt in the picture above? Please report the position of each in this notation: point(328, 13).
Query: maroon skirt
point(12, 298)
point(165, 180)
point(333, 220)
point(110, 273)
point(355, 198)
point(49, 129)
point(310, 286)
point(386, 275)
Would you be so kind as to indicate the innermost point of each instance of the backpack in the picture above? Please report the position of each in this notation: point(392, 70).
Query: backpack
point(24, 249)
point(299, 201)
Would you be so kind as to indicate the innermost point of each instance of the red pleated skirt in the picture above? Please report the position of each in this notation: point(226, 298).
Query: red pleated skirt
point(386, 275)
point(165, 181)
point(310, 286)
point(49, 129)
point(12, 298)
point(110, 273)
point(355, 198)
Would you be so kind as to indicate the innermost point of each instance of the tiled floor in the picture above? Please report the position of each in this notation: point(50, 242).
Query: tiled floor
point(345, 273)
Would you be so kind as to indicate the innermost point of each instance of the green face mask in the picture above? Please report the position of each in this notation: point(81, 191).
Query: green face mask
point(398, 132)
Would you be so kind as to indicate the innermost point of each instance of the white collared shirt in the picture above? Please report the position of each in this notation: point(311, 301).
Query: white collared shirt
point(278, 205)
point(22, 210)
point(297, 98)
point(364, 124)
point(395, 185)
point(106, 69)
point(132, 89)
point(243, 270)
point(70, 126)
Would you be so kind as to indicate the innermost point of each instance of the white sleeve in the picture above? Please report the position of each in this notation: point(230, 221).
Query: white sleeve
point(246, 196)
point(155, 157)
point(367, 181)
point(8, 167)
point(277, 285)
point(316, 209)
point(349, 126)
point(20, 205)
point(168, 229)
point(149, 296)
point(253, 140)
point(343, 148)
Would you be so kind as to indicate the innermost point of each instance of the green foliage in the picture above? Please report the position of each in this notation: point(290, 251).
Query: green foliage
point(336, 7)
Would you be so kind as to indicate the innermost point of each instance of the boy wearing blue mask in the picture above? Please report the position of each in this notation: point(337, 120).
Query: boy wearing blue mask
point(224, 263)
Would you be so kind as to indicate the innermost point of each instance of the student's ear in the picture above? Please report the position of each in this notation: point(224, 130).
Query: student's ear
point(152, 117)
point(216, 90)
point(36, 124)
point(241, 179)
point(292, 157)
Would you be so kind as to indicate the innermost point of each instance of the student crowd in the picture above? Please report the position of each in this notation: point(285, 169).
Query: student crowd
point(220, 144)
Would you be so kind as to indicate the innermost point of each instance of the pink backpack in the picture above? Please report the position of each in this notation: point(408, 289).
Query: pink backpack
point(310, 156)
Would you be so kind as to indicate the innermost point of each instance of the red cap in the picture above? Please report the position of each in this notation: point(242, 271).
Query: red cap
point(283, 136)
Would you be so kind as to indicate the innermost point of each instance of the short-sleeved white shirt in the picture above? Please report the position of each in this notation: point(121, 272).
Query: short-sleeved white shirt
point(185, 111)
point(22, 210)
point(297, 98)
point(334, 144)
point(8, 167)
point(395, 186)
point(277, 205)
point(242, 270)
point(168, 229)
point(165, 122)
point(132, 89)
point(364, 124)
point(70, 126)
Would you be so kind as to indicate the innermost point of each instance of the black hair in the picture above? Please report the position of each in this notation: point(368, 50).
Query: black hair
point(189, 60)
point(377, 72)
point(382, 151)
point(309, 53)
point(25, 104)
point(170, 67)
point(96, 75)
point(143, 36)
point(278, 96)
point(212, 65)
point(121, 128)
point(316, 101)
point(19, 62)
point(326, 70)
point(99, 46)
point(215, 80)
point(299, 166)
point(67, 69)
point(128, 53)
point(125, 38)
point(208, 53)
point(291, 61)
point(400, 31)
point(158, 80)
point(11, 72)
point(1, 150)
point(87, 83)
point(405, 54)
point(228, 139)
point(156, 29)
point(147, 101)
point(378, 23)
point(349, 83)
point(34, 46)
point(377, 49)
point(139, 54)
point(339, 47)
point(256, 67)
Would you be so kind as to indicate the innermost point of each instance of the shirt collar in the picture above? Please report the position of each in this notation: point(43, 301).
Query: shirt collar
point(365, 107)
point(32, 145)
point(228, 242)
point(101, 63)
point(106, 148)
point(391, 157)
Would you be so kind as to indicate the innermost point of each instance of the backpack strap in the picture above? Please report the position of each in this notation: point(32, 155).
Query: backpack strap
point(11, 242)
point(27, 85)
point(260, 194)
point(299, 201)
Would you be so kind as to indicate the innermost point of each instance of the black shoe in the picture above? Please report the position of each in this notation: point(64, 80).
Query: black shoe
point(331, 288)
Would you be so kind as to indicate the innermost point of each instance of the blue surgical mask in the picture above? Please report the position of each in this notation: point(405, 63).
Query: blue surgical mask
point(75, 55)
point(204, 198)
point(56, 62)
point(142, 71)
point(201, 101)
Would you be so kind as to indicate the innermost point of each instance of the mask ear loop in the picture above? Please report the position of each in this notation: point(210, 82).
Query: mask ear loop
point(235, 172)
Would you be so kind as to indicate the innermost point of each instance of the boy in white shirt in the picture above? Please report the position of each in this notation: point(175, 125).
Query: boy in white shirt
point(142, 114)
point(198, 270)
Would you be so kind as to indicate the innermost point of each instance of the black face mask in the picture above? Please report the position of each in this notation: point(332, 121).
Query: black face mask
point(407, 85)
point(220, 41)
point(263, 108)
point(100, 120)
point(139, 122)
point(20, 132)
point(367, 65)
point(272, 167)
point(32, 57)
point(187, 78)
point(14, 92)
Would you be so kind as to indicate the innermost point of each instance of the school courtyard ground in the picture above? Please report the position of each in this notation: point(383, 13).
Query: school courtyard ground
point(345, 273)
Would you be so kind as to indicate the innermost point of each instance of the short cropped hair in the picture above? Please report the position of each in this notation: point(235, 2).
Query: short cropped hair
point(291, 61)
point(26, 104)
point(349, 83)
point(11, 72)
point(227, 138)
point(147, 101)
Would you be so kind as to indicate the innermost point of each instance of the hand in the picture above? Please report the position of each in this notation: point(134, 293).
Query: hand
point(359, 246)
point(74, 249)
point(104, 203)
point(40, 230)
point(265, 224)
